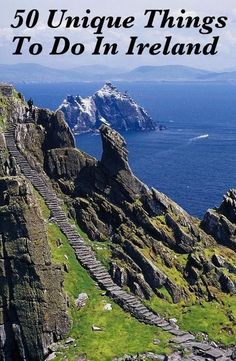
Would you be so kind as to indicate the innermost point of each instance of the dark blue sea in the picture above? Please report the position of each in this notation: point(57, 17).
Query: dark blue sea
point(194, 160)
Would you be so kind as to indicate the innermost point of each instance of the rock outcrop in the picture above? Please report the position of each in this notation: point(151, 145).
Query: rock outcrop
point(108, 106)
point(33, 312)
point(221, 222)
point(148, 232)
point(33, 308)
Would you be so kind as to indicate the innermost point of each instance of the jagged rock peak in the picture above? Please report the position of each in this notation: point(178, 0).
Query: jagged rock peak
point(115, 153)
point(107, 106)
point(221, 222)
point(110, 89)
point(228, 206)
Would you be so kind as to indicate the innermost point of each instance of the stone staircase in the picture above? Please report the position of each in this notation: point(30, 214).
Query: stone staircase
point(98, 272)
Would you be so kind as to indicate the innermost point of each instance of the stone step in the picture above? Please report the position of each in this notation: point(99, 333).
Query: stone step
point(177, 332)
point(86, 256)
point(103, 278)
point(85, 259)
point(144, 313)
point(154, 318)
point(95, 265)
point(141, 309)
point(182, 339)
point(76, 239)
point(72, 236)
point(134, 303)
point(96, 268)
point(106, 283)
point(83, 249)
point(162, 323)
point(70, 230)
point(67, 226)
point(150, 314)
point(80, 246)
point(70, 233)
point(167, 328)
point(119, 293)
point(100, 274)
point(60, 219)
point(130, 298)
point(113, 288)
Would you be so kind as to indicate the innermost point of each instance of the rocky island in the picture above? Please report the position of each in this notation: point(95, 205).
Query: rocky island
point(106, 106)
point(85, 245)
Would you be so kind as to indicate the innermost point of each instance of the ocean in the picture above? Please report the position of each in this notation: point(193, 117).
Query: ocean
point(194, 160)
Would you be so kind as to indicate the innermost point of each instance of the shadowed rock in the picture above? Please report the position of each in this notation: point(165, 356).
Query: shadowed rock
point(221, 222)
point(33, 308)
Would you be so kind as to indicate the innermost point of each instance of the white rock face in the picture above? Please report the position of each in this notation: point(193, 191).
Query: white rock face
point(108, 106)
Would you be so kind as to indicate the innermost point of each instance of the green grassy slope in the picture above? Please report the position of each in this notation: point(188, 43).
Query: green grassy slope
point(120, 333)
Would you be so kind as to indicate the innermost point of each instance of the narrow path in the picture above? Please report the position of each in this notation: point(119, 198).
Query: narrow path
point(98, 272)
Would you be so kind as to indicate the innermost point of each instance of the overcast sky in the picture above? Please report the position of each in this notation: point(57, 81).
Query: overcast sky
point(226, 58)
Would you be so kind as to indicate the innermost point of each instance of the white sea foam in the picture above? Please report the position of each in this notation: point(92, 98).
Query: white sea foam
point(203, 136)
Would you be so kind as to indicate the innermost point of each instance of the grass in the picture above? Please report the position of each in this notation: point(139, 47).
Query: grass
point(120, 333)
point(216, 319)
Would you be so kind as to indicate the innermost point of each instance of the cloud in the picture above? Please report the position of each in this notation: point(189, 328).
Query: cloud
point(6, 33)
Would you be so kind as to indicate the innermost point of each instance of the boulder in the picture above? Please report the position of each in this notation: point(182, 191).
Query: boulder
point(108, 307)
point(82, 300)
point(69, 341)
point(96, 328)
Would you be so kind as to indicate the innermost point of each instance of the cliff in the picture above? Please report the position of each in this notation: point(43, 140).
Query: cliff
point(33, 308)
point(149, 244)
point(156, 247)
point(33, 312)
point(148, 232)
point(108, 106)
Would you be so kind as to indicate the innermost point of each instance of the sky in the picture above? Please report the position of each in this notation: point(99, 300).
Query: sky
point(225, 59)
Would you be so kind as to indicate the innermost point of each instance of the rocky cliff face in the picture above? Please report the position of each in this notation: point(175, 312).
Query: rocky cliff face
point(108, 106)
point(33, 311)
point(156, 246)
point(221, 222)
